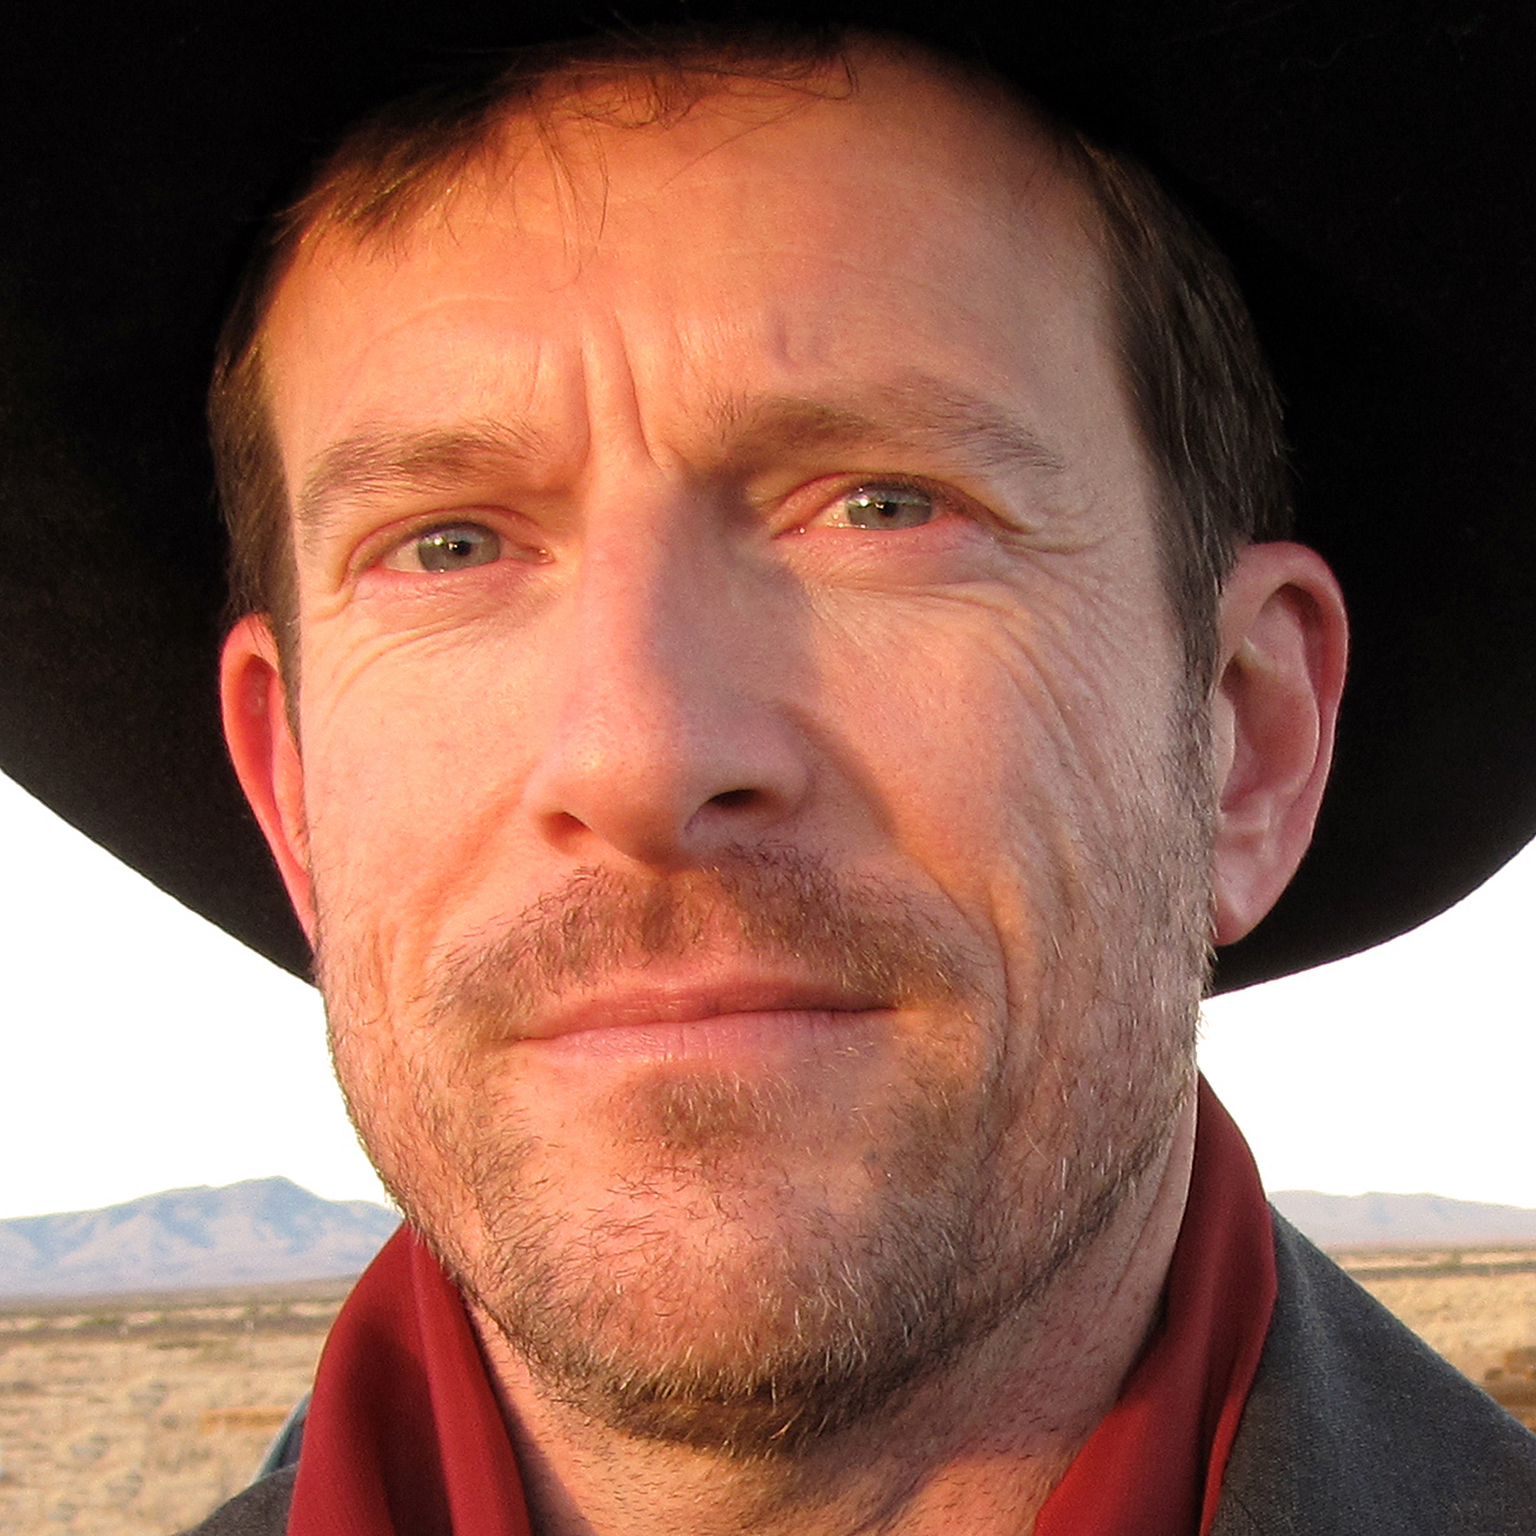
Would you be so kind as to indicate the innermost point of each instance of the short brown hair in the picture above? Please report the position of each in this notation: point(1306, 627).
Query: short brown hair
point(1199, 387)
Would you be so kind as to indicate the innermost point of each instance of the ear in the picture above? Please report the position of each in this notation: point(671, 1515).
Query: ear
point(265, 754)
point(1283, 644)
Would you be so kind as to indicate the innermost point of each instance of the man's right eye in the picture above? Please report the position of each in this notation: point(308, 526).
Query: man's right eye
point(451, 547)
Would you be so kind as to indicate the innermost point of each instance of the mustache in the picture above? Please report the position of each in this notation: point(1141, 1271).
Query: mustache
point(861, 935)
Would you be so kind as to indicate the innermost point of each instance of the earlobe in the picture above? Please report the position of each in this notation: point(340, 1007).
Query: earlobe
point(1283, 639)
point(265, 755)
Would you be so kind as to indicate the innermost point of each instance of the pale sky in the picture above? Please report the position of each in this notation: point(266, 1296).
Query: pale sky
point(145, 1050)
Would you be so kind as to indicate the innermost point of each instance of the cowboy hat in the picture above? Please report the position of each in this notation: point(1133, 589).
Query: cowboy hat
point(1363, 162)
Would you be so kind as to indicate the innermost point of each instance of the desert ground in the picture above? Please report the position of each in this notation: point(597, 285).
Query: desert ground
point(134, 1416)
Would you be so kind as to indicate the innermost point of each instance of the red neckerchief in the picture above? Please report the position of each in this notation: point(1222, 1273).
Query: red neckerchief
point(1153, 1467)
point(404, 1436)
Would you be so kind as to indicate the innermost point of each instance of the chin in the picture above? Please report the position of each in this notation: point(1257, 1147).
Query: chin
point(710, 1275)
point(751, 1263)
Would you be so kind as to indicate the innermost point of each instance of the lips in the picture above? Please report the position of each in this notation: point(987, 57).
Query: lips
point(724, 1002)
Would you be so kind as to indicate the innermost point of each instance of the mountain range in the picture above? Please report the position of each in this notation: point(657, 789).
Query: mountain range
point(268, 1230)
point(1402, 1221)
point(256, 1231)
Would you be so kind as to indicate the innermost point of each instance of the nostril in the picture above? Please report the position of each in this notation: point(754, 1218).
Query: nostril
point(733, 799)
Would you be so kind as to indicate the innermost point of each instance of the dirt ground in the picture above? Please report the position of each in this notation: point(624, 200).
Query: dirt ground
point(136, 1416)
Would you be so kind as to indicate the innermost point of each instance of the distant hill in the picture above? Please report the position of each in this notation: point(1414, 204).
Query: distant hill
point(259, 1230)
point(1402, 1221)
point(270, 1230)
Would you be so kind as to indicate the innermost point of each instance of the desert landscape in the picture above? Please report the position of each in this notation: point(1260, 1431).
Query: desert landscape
point(134, 1416)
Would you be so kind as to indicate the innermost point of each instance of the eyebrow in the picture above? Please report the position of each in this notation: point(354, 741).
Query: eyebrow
point(912, 412)
point(378, 463)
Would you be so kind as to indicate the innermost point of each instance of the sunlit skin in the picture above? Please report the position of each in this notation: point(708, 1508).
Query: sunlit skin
point(719, 570)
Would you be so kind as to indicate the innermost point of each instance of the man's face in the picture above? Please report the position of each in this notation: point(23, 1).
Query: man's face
point(750, 811)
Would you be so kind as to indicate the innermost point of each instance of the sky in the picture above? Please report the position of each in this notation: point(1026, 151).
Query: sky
point(142, 1049)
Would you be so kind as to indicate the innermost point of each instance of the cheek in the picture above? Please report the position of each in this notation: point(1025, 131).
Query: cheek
point(998, 728)
point(412, 776)
point(1024, 757)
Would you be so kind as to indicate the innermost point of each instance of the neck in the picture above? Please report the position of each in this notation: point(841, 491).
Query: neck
point(978, 1448)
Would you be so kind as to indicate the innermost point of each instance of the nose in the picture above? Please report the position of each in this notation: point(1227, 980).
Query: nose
point(673, 732)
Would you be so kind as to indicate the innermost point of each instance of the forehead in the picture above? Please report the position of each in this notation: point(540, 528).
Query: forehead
point(855, 225)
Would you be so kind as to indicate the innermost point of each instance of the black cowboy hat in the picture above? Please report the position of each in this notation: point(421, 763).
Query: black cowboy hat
point(1364, 162)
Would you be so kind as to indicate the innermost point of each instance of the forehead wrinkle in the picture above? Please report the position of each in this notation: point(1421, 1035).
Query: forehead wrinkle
point(915, 412)
point(377, 463)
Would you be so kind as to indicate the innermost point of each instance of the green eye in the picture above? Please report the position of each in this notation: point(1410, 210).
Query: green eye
point(888, 506)
point(456, 547)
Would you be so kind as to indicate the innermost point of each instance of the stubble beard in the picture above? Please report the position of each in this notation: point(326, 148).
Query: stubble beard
point(713, 1302)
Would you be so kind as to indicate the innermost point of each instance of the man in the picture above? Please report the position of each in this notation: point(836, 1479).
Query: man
point(731, 735)
point(761, 726)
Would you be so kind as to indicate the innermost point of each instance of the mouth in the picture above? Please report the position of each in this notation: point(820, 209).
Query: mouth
point(693, 1018)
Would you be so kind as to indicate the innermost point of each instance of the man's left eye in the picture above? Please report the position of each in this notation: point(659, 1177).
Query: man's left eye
point(452, 547)
point(886, 506)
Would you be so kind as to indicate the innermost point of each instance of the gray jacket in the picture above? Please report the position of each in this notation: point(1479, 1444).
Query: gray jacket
point(1353, 1428)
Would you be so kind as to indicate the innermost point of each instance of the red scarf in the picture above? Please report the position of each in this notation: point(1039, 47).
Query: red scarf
point(404, 1436)
point(1153, 1466)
